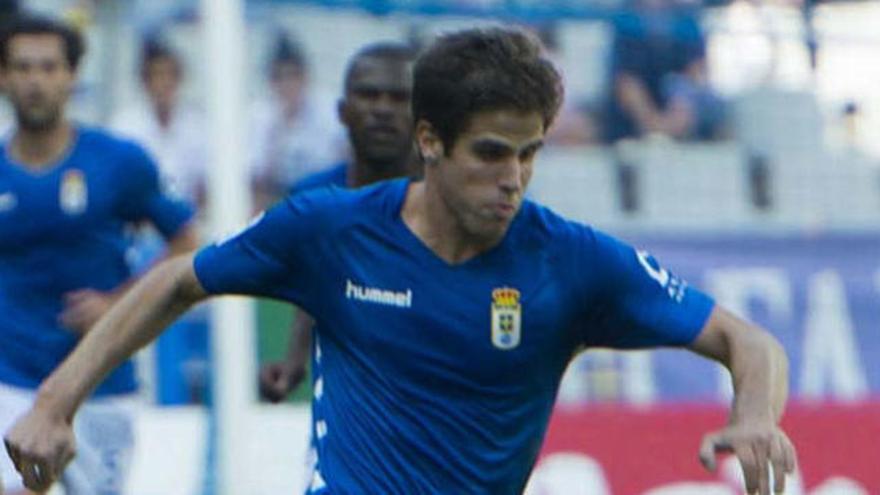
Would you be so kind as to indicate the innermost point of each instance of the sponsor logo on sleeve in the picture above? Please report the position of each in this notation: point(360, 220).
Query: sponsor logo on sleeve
point(673, 285)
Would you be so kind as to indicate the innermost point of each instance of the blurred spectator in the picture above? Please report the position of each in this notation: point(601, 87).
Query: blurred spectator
point(170, 129)
point(658, 75)
point(174, 133)
point(574, 125)
point(296, 131)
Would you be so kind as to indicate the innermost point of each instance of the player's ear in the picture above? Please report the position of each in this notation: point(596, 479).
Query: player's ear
point(430, 146)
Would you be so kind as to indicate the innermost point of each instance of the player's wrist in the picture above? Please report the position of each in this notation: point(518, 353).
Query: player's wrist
point(753, 418)
point(54, 403)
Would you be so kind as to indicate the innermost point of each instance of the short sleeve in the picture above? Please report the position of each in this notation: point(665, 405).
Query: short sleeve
point(636, 302)
point(270, 258)
point(144, 199)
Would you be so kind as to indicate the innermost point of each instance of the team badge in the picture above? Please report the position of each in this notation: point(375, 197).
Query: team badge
point(506, 317)
point(74, 195)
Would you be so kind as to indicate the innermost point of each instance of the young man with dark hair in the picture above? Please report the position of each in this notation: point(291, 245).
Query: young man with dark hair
point(67, 195)
point(446, 309)
point(375, 109)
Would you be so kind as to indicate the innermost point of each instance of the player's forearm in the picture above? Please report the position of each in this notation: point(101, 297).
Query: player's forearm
point(184, 241)
point(146, 309)
point(756, 361)
point(759, 368)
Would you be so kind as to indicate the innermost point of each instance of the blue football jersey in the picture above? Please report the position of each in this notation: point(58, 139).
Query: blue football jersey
point(440, 378)
point(66, 228)
point(334, 176)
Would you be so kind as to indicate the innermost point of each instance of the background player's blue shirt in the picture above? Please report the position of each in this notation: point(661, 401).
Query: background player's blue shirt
point(63, 229)
point(440, 378)
point(336, 175)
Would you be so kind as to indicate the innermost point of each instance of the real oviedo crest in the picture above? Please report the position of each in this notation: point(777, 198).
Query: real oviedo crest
point(506, 318)
point(73, 195)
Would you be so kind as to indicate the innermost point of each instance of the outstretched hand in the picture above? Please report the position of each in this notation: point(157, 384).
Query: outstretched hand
point(757, 448)
point(40, 445)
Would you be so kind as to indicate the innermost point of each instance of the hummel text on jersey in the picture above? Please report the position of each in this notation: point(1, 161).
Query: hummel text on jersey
point(378, 296)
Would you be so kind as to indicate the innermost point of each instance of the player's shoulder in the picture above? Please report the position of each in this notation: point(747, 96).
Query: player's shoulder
point(544, 225)
point(109, 144)
point(120, 157)
point(340, 207)
point(333, 176)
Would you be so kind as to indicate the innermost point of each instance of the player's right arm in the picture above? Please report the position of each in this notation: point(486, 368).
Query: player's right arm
point(41, 443)
point(646, 306)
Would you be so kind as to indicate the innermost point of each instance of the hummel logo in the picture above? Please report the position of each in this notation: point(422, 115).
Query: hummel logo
point(378, 296)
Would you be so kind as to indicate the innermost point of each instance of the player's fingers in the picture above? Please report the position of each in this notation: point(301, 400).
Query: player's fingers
point(790, 454)
point(711, 443)
point(14, 453)
point(777, 461)
point(35, 476)
point(44, 475)
point(763, 468)
point(69, 454)
point(749, 465)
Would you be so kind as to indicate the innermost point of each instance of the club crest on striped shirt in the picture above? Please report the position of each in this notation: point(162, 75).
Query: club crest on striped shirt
point(506, 317)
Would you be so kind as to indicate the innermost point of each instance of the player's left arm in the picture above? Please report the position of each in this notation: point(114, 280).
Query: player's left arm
point(759, 368)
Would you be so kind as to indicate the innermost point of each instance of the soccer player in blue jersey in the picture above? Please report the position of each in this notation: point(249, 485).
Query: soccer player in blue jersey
point(67, 195)
point(446, 309)
point(375, 108)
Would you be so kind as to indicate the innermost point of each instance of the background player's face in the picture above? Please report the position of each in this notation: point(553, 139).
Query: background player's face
point(38, 79)
point(484, 177)
point(376, 110)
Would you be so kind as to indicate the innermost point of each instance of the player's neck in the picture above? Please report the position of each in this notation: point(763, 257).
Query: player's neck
point(37, 149)
point(438, 227)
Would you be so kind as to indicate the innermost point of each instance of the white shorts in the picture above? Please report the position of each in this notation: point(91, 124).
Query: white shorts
point(104, 442)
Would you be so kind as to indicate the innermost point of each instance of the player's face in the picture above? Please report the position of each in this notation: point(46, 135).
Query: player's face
point(38, 79)
point(376, 110)
point(484, 177)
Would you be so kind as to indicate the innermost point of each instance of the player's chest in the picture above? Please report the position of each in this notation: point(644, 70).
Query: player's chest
point(492, 321)
point(63, 202)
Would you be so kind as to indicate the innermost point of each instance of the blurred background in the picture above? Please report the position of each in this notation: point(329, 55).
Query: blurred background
point(738, 141)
